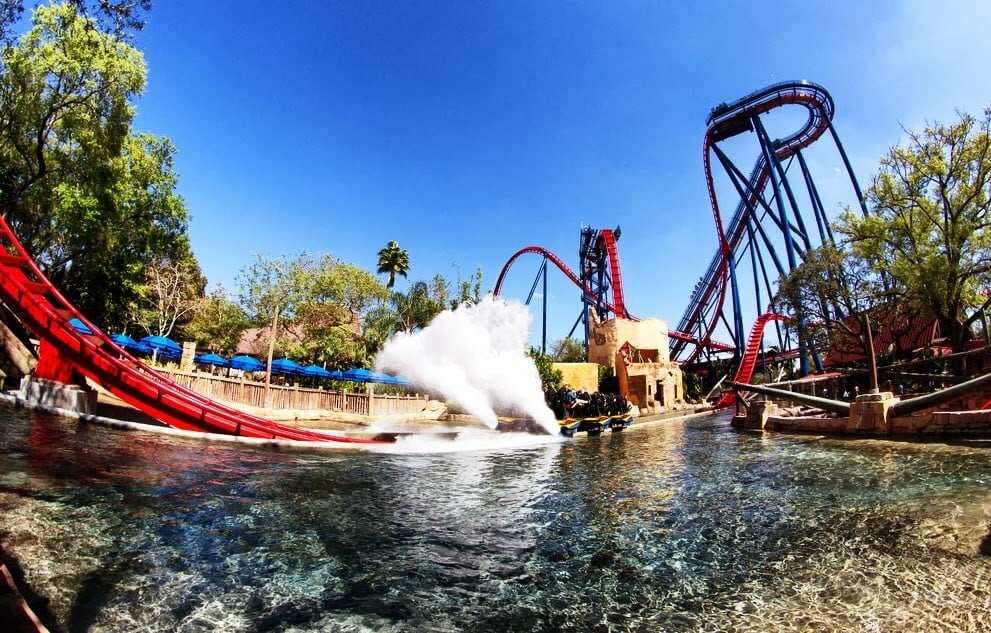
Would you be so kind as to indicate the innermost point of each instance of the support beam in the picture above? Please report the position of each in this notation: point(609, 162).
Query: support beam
point(919, 403)
point(22, 359)
point(833, 406)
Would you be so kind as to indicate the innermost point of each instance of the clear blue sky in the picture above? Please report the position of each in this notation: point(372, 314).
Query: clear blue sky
point(467, 130)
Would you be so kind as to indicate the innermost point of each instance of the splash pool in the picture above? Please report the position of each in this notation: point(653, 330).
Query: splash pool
point(681, 526)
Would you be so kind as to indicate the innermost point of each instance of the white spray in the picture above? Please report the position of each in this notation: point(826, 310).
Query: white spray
point(475, 357)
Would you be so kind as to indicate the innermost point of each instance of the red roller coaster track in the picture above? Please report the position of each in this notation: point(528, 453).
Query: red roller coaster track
point(725, 122)
point(609, 241)
point(66, 353)
point(745, 370)
point(618, 306)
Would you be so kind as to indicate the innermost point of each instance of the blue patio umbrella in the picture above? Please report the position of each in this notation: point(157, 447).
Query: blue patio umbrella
point(384, 379)
point(247, 363)
point(141, 348)
point(130, 345)
point(358, 375)
point(166, 347)
point(337, 374)
point(211, 359)
point(123, 340)
point(80, 327)
point(286, 366)
point(316, 371)
point(389, 379)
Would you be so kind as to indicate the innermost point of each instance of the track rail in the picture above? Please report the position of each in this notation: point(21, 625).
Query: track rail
point(539, 250)
point(66, 353)
point(614, 264)
point(557, 261)
point(745, 370)
point(608, 240)
point(724, 122)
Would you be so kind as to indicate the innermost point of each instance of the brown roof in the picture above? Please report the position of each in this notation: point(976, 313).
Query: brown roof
point(901, 332)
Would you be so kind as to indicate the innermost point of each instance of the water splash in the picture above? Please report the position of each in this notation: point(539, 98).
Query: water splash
point(475, 357)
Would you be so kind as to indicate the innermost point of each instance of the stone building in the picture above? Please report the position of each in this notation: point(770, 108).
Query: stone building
point(638, 353)
point(579, 376)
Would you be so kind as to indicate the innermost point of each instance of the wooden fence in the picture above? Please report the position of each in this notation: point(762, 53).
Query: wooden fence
point(252, 393)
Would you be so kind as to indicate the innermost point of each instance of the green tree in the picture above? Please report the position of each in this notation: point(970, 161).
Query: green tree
point(929, 231)
point(217, 322)
point(321, 304)
point(377, 325)
point(545, 367)
point(832, 297)
point(328, 322)
point(416, 307)
point(568, 350)
point(469, 290)
point(91, 201)
point(274, 288)
point(393, 261)
point(347, 286)
point(119, 18)
point(172, 292)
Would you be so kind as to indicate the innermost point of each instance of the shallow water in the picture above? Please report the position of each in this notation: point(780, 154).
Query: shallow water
point(683, 526)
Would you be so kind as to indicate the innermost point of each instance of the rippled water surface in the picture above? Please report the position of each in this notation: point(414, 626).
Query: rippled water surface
point(681, 526)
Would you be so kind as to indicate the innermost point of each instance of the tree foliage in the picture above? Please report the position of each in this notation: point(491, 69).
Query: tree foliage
point(119, 18)
point(377, 325)
point(424, 300)
point(172, 292)
point(418, 306)
point(343, 284)
point(328, 321)
point(275, 287)
point(467, 289)
point(568, 350)
point(92, 201)
point(217, 322)
point(545, 367)
point(832, 297)
point(929, 230)
point(321, 302)
point(393, 261)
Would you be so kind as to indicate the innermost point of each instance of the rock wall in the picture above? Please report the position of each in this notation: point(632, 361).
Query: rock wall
point(579, 376)
point(607, 337)
point(647, 377)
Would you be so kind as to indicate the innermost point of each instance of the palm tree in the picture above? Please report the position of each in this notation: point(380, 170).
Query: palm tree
point(393, 261)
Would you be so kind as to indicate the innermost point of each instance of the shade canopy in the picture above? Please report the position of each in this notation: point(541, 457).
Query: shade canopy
point(337, 374)
point(316, 371)
point(80, 327)
point(247, 363)
point(211, 359)
point(358, 375)
point(130, 345)
point(165, 346)
point(123, 340)
point(389, 379)
point(286, 367)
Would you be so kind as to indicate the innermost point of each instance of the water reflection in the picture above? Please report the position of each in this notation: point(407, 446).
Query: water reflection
point(684, 526)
